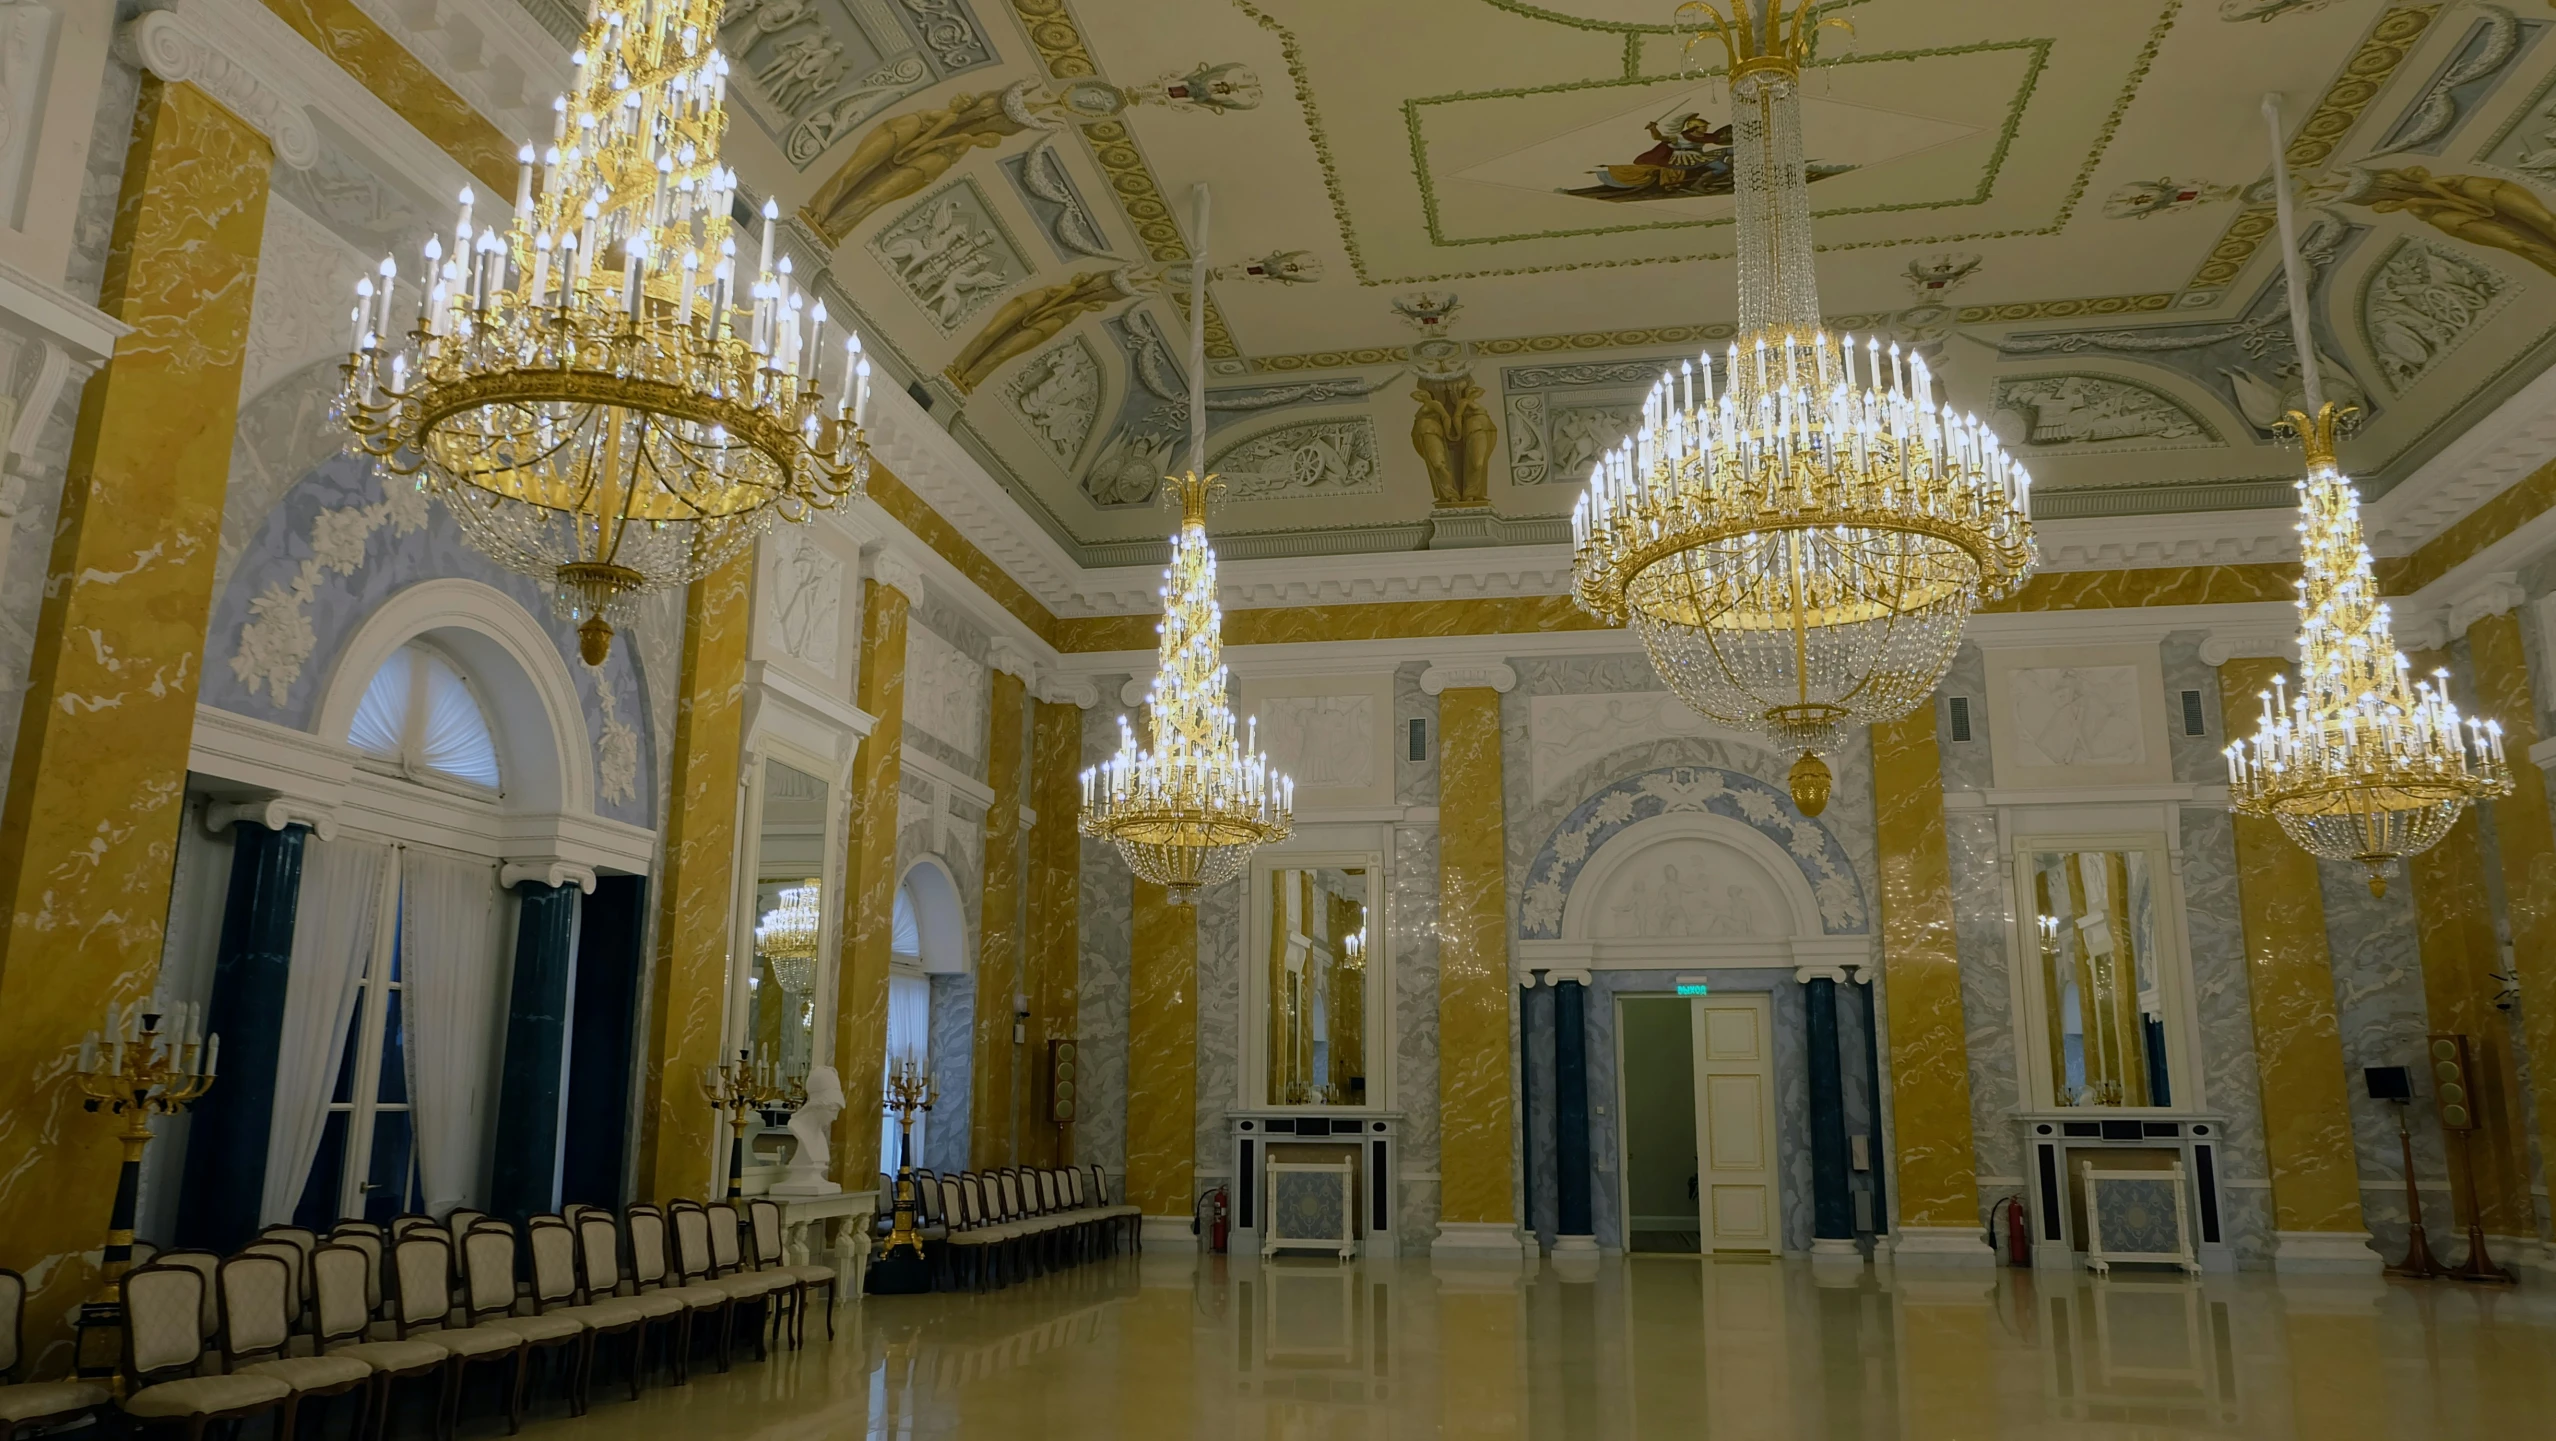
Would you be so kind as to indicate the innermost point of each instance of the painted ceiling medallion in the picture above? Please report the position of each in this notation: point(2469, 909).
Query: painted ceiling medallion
point(593, 394)
point(2365, 763)
point(1801, 550)
point(1187, 811)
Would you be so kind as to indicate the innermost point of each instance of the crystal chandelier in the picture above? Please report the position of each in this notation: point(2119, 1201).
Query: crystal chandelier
point(1188, 811)
point(601, 400)
point(1799, 548)
point(786, 935)
point(2365, 763)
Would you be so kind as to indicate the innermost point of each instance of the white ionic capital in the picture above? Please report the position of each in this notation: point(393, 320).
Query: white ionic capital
point(1579, 976)
point(2223, 646)
point(546, 871)
point(179, 47)
point(896, 570)
point(1472, 673)
point(2496, 594)
point(2420, 627)
point(1073, 690)
point(1131, 692)
point(1842, 975)
point(274, 813)
point(1010, 657)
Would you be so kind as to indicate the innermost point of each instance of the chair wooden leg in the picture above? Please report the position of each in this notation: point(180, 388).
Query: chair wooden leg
point(452, 1396)
point(515, 1397)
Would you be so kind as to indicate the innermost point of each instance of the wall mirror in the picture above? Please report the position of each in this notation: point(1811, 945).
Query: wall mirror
point(790, 909)
point(2104, 963)
point(1320, 925)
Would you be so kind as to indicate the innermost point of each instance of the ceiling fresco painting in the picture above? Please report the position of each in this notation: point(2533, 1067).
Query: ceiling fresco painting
point(1455, 240)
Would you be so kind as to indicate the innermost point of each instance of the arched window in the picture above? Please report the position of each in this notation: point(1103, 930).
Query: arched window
point(419, 715)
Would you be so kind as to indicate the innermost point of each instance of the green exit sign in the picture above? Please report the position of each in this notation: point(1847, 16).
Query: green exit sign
point(1694, 988)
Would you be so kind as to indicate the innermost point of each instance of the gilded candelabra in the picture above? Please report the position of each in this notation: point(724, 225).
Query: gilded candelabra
point(134, 1070)
point(741, 1088)
point(909, 1094)
point(1800, 547)
point(603, 396)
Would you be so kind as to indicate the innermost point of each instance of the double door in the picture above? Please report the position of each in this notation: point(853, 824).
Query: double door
point(1713, 1069)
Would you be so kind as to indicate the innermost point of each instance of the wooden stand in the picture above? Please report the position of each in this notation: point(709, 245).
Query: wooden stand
point(2419, 1263)
point(2478, 1266)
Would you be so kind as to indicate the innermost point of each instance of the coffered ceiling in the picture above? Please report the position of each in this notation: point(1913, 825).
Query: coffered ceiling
point(2064, 202)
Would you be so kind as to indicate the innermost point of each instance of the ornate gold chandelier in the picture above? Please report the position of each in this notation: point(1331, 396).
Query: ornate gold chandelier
point(1798, 549)
point(2365, 763)
point(1188, 811)
point(599, 397)
point(786, 935)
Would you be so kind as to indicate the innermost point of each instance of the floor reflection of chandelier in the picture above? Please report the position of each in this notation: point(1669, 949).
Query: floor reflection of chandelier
point(1799, 547)
point(2365, 763)
point(1189, 810)
point(787, 935)
point(599, 397)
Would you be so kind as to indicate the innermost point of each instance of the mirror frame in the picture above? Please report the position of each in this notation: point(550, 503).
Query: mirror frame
point(2039, 1089)
point(1252, 1050)
point(746, 897)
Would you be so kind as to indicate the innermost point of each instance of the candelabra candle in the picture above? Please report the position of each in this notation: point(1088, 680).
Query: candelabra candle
point(741, 1088)
point(908, 1092)
point(593, 426)
point(131, 1067)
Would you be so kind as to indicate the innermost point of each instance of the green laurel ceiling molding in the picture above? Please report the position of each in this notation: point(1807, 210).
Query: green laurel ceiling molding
point(1064, 55)
point(1299, 74)
point(2037, 49)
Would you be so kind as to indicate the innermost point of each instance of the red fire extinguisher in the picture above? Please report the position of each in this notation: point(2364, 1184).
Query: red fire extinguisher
point(1214, 1202)
point(2018, 1234)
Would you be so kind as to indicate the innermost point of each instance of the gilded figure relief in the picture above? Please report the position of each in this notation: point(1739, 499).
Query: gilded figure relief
point(1034, 317)
point(1456, 439)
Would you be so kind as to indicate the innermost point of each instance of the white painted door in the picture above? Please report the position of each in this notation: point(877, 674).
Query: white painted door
point(1735, 1123)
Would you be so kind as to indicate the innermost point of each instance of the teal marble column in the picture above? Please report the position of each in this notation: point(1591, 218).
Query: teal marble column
point(533, 1082)
point(1832, 1200)
point(1572, 1230)
point(225, 1176)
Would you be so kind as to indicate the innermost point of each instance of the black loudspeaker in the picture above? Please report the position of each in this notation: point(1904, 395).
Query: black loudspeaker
point(1064, 1075)
point(2451, 1084)
point(2388, 1083)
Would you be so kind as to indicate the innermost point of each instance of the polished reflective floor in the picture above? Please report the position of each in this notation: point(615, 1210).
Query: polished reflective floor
point(1653, 1346)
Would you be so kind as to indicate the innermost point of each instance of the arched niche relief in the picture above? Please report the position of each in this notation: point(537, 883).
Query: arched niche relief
point(1691, 865)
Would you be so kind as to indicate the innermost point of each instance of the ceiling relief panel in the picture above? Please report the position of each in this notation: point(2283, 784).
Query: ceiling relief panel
point(809, 71)
point(950, 254)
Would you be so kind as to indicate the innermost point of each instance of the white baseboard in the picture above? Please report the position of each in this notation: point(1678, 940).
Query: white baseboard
point(1939, 1246)
point(2325, 1253)
point(1168, 1233)
point(1476, 1241)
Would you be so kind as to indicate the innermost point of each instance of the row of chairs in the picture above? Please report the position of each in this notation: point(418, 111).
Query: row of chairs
point(294, 1317)
point(994, 1227)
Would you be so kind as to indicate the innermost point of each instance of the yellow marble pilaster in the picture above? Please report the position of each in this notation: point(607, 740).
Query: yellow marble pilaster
point(1937, 1183)
point(2454, 916)
point(2298, 1046)
point(869, 895)
point(1051, 953)
point(2528, 846)
point(97, 785)
point(1477, 1168)
point(1162, 1054)
point(991, 1139)
point(678, 1131)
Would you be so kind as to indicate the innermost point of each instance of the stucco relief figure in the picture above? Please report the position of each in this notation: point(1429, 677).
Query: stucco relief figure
point(1666, 906)
point(1031, 319)
point(2078, 716)
point(2479, 209)
point(1455, 437)
point(809, 1126)
point(902, 155)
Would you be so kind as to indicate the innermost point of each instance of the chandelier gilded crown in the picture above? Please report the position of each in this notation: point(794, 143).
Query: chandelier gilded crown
point(601, 398)
point(1798, 542)
point(2365, 763)
point(1188, 810)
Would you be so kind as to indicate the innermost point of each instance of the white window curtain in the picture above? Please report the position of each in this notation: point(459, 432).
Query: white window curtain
point(909, 1038)
point(337, 916)
point(448, 964)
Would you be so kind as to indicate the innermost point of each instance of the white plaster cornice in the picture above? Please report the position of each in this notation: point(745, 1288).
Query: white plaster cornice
point(1010, 657)
point(546, 871)
point(199, 45)
point(932, 464)
point(2543, 754)
point(2517, 438)
point(81, 330)
point(1452, 675)
point(2227, 643)
point(494, 55)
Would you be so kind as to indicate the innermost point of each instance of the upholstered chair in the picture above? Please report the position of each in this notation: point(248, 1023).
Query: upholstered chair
point(344, 1282)
point(599, 1267)
point(694, 1271)
point(764, 1223)
point(554, 1298)
point(759, 1293)
point(209, 1322)
point(36, 1403)
point(488, 1290)
point(163, 1344)
point(258, 1305)
point(652, 1273)
point(421, 1310)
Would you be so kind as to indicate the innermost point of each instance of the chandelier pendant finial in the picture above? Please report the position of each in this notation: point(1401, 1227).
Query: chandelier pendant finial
point(1798, 532)
point(603, 397)
point(1188, 810)
point(2365, 763)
